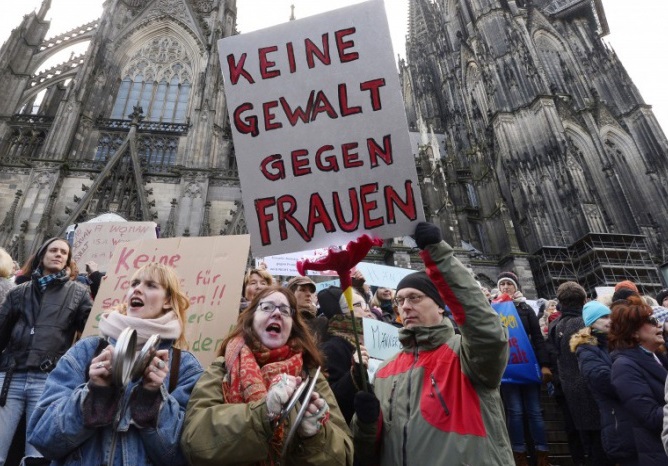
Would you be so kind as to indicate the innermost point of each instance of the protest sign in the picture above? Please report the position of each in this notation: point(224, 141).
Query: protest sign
point(96, 241)
point(522, 365)
point(286, 264)
point(320, 131)
point(382, 275)
point(381, 339)
point(211, 270)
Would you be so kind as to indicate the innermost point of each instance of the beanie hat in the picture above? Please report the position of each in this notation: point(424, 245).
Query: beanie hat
point(593, 311)
point(660, 313)
point(571, 294)
point(328, 300)
point(421, 281)
point(41, 252)
point(509, 276)
point(663, 294)
point(627, 284)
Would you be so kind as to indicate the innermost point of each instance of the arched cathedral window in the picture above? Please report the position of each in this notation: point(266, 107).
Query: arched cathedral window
point(159, 79)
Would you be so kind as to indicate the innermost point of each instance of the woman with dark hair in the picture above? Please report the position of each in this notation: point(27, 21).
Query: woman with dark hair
point(83, 417)
point(639, 371)
point(38, 321)
point(234, 414)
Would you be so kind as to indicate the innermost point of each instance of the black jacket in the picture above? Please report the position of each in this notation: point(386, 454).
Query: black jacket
point(338, 354)
point(532, 329)
point(37, 328)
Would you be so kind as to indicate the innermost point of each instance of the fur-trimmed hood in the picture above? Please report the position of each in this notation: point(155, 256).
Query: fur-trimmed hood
point(582, 337)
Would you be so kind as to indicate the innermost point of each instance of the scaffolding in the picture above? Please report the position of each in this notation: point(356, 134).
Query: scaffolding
point(596, 260)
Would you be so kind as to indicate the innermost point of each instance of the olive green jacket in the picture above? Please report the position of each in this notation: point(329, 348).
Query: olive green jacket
point(216, 432)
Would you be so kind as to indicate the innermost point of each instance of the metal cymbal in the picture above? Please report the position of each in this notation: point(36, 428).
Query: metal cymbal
point(124, 354)
point(144, 358)
point(306, 396)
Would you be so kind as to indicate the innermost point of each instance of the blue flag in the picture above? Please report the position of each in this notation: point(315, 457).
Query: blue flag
point(522, 364)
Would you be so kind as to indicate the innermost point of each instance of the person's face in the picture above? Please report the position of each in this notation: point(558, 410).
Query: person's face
point(507, 287)
point(360, 308)
point(602, 324)
point(255, 284)
point(665, 302)
point(55, 258)
point(551, 308)
point(305, 296)
point(273, 327)
point(650, 335)
point(417, 309)
point(385, 294)
point(146, 298)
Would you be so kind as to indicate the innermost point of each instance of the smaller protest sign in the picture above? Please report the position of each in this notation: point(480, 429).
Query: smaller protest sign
point(522, 364)
point(96, 241)
point(211, 271)
point(382, 275)
point(381, 339)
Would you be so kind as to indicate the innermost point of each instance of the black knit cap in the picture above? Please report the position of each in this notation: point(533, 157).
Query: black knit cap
point(661, 296)
point(328, 301)
point(421, 281)
point(41, 252)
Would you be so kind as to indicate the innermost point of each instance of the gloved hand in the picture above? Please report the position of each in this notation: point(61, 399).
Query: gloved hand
point(367, 407)
point(426, 234)
point(546, 374)
point(280, 391)
point(317, 415)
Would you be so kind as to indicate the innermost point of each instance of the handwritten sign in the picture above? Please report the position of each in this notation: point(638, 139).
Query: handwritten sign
point(97, 241)
point(211, 270)
point(381, 339)
point(320, 131)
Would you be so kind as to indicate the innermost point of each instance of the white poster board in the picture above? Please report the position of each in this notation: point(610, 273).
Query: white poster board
point(320, 131)
point(96, 241)
point(381, 339)
point(211, 270)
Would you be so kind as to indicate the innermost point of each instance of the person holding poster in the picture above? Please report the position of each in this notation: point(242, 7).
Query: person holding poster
point(524, 397)
point(439, 397)
point(38, 320)
point(84, 418)
point(234, 414)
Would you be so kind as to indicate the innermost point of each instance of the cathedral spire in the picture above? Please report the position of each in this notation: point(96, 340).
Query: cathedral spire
point(43, 10)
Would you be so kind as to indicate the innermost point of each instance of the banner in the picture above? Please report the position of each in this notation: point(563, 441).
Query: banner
point(211, 270)
point(96, 241)
point(320, 131)
point(522, 365)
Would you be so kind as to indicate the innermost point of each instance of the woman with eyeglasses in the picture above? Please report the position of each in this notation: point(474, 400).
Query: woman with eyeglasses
point(235, 412)
point(639, 370)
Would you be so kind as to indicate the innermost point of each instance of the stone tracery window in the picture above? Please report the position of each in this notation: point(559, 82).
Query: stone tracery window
point(159, 79)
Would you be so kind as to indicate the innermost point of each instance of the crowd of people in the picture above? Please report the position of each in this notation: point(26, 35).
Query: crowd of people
point(442, 399)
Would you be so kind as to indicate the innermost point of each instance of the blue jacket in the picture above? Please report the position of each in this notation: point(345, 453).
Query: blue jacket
point(595, 366)
point(58, 427)
point(639, 382)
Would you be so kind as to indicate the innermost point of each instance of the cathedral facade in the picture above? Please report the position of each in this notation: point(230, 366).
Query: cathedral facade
point(535, 151)
point(551, 162)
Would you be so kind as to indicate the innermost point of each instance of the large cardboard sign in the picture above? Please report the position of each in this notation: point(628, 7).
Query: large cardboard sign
point(211, 271)
point(320, 131)
point(97, 241)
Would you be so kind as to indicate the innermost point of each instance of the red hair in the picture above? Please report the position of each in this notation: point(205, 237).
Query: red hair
point(628, 315)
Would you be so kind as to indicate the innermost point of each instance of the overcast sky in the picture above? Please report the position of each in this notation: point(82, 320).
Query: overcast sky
point(636, 26)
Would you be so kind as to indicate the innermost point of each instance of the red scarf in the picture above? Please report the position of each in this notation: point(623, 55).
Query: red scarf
point(250, 372)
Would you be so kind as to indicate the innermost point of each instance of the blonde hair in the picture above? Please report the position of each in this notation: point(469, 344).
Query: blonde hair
point(375, 301)
point(262, 273)
point(6, 264)
point(178, 301)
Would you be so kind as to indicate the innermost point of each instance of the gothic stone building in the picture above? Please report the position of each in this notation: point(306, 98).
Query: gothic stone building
point(535, 150)
point(551, 162)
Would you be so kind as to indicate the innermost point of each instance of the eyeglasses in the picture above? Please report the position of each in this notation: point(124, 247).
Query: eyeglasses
point(653, 321)
point(360, 304)
point(412, 299)
point(269, 307)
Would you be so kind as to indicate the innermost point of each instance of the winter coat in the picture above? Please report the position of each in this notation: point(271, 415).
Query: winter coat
point(533, 331)
point(581, 403)
point(439, 396)
point(74, 422)
point(338, 354)
point(216, 432)
point(639, 381)
point(37, 328)
point(595, 366)
point(5, 285)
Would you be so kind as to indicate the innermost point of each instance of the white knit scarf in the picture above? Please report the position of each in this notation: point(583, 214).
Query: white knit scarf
point(167, 326)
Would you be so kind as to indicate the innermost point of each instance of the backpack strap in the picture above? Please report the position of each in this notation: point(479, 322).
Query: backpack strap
point(174, 369)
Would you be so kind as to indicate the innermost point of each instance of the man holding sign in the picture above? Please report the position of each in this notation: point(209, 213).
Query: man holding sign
point(438, 399)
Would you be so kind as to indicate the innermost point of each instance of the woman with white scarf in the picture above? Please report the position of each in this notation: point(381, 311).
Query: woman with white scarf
point(83, 417)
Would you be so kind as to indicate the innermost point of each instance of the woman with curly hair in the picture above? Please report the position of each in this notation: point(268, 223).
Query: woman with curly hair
point(639, 371)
